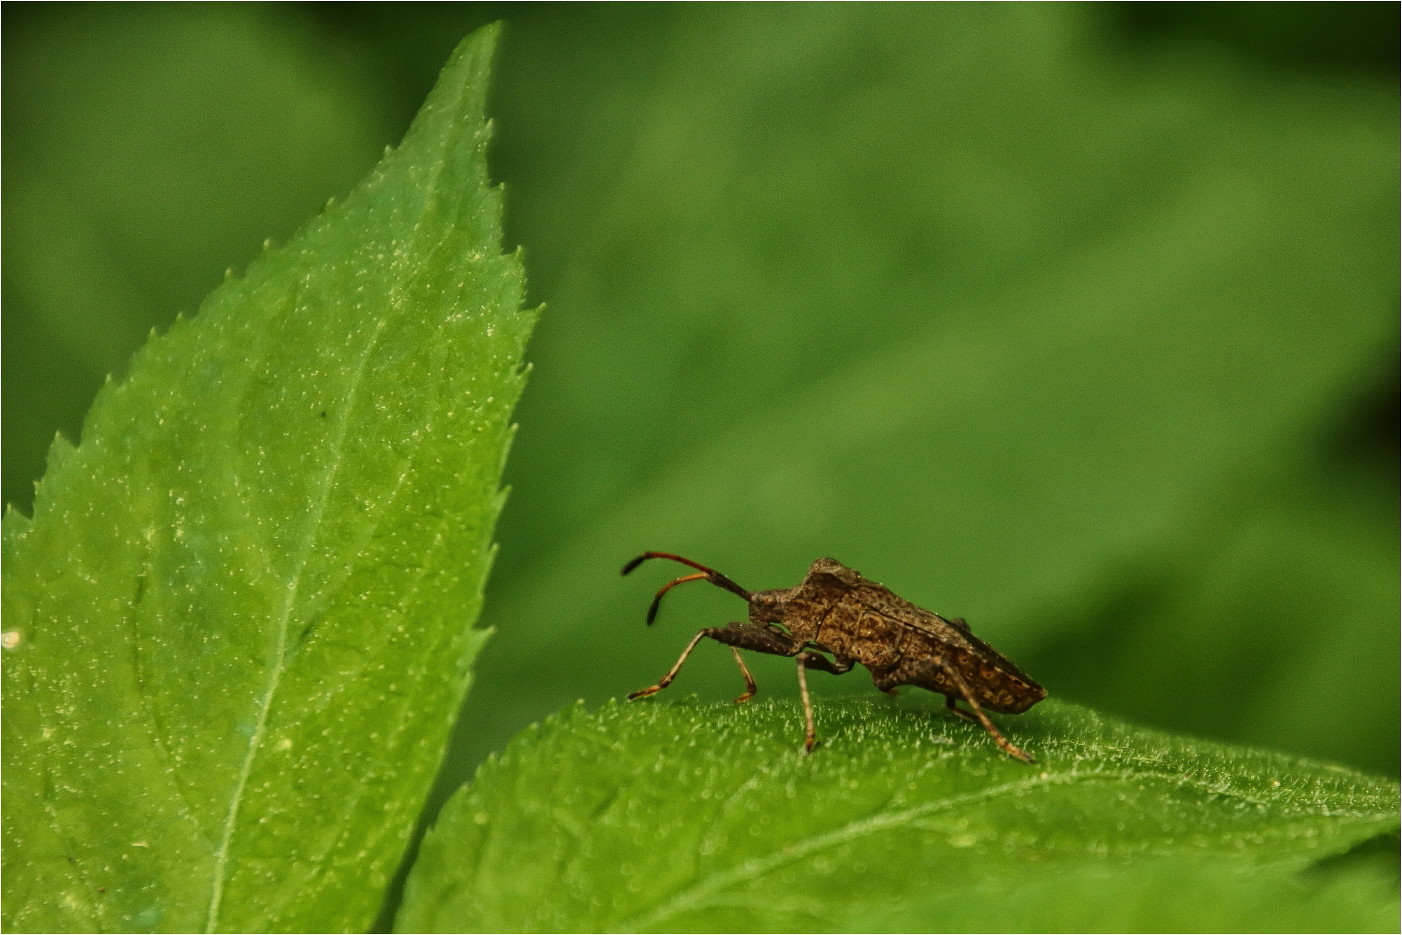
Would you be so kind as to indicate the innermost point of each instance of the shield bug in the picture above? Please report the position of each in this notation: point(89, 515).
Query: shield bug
point(837, 613)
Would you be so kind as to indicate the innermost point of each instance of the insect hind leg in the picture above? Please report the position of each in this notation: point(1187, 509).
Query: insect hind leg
point(944, 674)
point(1004, 744)
point(952, 704)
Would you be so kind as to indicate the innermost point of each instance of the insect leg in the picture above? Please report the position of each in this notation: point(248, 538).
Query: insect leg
point(667, 679)
point(806, 661)
point(822, 663)
point(952, 704)
point(735, 635)
point(810, 735)
point(1003, 743)
point(750, 686)
point(887, 680)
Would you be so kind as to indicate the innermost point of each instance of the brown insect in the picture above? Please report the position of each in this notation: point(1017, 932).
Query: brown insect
point(837, 611)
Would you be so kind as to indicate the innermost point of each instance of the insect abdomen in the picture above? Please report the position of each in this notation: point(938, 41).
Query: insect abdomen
point(996, 687)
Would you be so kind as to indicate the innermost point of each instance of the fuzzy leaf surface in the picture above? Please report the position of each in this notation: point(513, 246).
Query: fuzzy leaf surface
point(240, 621)
point(690, 817)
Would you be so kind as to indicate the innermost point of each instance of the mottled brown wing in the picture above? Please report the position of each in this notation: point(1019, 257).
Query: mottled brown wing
point(936, 629)
point(882, 600)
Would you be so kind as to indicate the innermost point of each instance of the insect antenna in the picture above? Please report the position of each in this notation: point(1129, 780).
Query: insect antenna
point(703, 574)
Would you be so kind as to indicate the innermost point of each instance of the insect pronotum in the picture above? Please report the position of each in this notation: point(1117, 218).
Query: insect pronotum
point(838, 612)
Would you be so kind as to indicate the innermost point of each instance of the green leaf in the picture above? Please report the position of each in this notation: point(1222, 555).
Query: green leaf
point(239, 622)
point(1149, 895)
point(1013, 313)
point(688, 817)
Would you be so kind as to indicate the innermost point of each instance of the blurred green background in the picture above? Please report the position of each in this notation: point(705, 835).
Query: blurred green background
point(1077, 321)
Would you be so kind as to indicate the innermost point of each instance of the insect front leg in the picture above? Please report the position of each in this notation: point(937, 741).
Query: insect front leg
point(750, 686)
point(737, 636)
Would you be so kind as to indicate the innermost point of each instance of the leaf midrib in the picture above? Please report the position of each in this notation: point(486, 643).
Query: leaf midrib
point(395, 299)
point(283, 625)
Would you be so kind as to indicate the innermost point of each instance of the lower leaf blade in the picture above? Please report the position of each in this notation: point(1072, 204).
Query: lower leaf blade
point(655, 817)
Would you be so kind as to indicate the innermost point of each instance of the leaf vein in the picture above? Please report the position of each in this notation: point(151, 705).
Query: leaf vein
point(704, 892)
point(284, 623)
